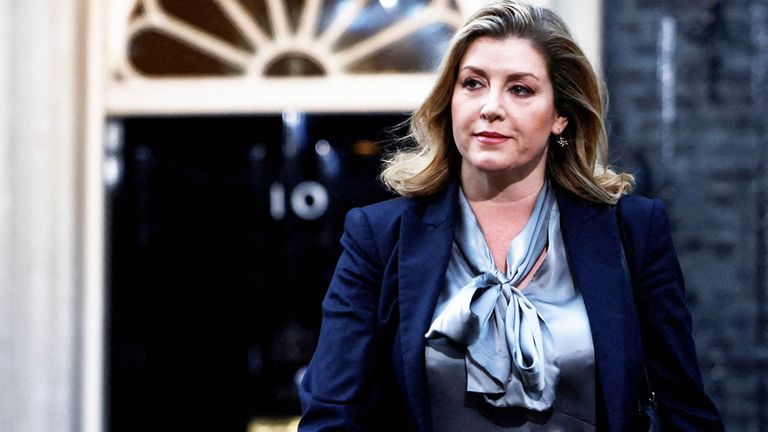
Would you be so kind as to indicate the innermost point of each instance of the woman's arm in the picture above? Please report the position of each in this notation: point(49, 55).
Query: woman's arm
point(340, 386)
point(670, 354)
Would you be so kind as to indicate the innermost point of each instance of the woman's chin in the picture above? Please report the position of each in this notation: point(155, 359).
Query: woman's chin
point(492, 168)
point(503, 172)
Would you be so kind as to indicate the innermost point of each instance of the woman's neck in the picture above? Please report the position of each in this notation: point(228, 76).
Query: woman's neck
point(502, 208)
point(499, 189)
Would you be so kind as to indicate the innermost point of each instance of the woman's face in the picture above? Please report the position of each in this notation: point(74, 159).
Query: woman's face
point(503, 109)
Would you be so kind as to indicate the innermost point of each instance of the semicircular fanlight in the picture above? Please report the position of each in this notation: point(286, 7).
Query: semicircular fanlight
point(275, 38)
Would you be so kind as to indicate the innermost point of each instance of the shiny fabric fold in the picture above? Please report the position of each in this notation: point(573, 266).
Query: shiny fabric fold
point(511, 359)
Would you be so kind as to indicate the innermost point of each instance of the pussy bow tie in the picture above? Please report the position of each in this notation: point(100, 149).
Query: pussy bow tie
point(511, 360)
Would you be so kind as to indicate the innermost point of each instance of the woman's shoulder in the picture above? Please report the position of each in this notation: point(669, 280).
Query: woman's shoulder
point(632, 206)
point(639, 209)
point(383, 220)
point(389, 207)
point(637, 202)
point(378, 220)
point(376, 226)
point(385, 212)
point(644, 223)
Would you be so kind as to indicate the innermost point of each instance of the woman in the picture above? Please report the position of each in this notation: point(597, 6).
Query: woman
point(513, 286)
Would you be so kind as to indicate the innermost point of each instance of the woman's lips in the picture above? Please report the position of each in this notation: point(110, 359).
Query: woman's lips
point(486, 137)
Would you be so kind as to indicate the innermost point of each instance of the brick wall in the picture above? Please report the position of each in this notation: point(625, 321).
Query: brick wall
point(688, 90)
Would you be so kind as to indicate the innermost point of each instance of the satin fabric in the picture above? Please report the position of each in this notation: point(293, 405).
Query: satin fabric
point(559, 303)
point(510, 356)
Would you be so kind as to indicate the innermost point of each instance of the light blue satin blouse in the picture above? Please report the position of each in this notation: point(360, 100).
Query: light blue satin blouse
point(503, 359)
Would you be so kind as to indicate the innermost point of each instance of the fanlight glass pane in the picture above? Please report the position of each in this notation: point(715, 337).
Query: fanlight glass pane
point(377, 16)
point(206, 16)
point(156, 54)
point(258, 11)
point(424, 51)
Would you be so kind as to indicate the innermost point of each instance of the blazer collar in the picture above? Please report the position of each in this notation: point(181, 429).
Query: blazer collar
point(592, 240)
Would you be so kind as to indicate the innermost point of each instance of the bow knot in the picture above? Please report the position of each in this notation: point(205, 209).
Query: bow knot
point(510, 357)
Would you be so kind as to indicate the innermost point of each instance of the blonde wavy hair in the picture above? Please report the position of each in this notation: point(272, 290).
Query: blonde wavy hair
point(426, 167)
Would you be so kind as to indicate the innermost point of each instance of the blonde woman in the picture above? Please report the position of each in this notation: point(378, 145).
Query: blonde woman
point(514, 285)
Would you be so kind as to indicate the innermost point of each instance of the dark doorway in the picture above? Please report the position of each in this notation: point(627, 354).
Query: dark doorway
point(224, 233)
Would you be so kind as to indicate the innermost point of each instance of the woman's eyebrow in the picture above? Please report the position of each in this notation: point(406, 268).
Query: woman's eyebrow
point(518, 75)
point(512, 76)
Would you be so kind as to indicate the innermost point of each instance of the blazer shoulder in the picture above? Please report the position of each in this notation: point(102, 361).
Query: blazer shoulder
point(384, 211)
point(644, 226)
point(382, 217)
point(378, 223)
point(639, 210)
point(637, 203)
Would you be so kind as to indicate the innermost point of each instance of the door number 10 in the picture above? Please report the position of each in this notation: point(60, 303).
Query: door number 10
point(308, 200)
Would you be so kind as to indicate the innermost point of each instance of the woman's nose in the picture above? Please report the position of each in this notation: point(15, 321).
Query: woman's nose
point(492, 109)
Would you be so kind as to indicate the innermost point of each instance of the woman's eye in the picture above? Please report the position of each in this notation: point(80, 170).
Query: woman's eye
point(471, 83)
point(521, 90)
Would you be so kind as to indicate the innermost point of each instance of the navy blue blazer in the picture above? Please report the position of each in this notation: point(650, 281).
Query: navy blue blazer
point(368, 372)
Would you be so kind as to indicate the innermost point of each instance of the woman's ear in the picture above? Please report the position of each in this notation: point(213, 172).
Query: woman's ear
point(559, 126)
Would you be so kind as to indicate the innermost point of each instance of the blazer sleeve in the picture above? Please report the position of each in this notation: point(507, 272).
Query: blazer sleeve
point(339, 389)
point(670, 354)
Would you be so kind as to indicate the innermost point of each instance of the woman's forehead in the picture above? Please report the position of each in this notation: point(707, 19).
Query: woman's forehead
point(504, 56)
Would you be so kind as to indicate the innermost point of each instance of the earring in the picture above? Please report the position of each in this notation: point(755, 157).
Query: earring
point(562, 141)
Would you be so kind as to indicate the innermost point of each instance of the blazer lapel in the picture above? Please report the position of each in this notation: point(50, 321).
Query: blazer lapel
point(592, 240)
point(425, 245)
